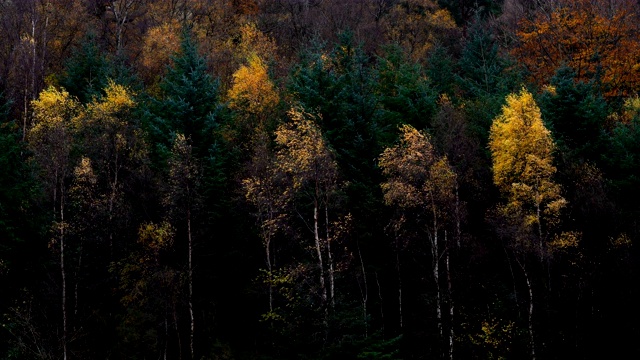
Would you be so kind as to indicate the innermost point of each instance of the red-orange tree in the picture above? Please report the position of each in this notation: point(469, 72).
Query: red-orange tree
point(594, 37)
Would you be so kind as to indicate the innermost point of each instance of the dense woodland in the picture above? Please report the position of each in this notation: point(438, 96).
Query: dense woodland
point(319, 179)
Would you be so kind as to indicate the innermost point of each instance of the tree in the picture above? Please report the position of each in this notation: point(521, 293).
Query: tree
point(264, 189)
point(150, 290)
point(521, 150)
point(416, 178)
point(339, 84)
point(87, 71)
point(50, 140)
point(253, 98)
point(112, 139)
point(404, 94)
point(160, 43)
point(183, 199)
point(596, 38)
point(576, 113)
point(417, 25)
point(187, 104)
point(306, 158)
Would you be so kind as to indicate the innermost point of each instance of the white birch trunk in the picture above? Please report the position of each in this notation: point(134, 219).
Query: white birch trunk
point(329, 255)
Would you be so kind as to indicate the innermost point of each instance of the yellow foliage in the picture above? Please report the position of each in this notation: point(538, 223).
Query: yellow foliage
point(254, 42)
point(521, 146)
point(156, 236)
point(252, 90)
point(566, 240)
point(303, 152)
point(521, 150)
point(52, 107)
point(415, 175)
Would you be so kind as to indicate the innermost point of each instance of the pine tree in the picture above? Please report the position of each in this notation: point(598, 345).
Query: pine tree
point(87, 71)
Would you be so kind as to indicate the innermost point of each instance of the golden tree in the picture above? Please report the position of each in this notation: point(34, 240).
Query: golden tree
point(50, 139)
point(306, 159)
point(521, 150)
point(419, 179)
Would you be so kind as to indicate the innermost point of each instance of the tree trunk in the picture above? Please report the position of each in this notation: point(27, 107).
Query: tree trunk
point(175, 326)
point(532, 344)
point(451, 331)
point(316, 235)
point(329, 256)
point(270, 268)
point(399, 286)
point(63, 273)
point(436, 264)
point(112, 196)
point(365, 294)
point(191, 335)
point(458, 231)
point(381, 302)
point(539, 219)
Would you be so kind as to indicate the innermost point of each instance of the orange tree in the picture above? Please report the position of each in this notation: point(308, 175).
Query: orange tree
point(597, 38)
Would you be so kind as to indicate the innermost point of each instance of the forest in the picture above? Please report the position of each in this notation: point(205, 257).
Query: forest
point(319, 179)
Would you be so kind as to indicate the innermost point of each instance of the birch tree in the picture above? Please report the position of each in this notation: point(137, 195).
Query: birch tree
point(418, 179)
point(50, 139)
point(183, 198)
point(305, 157)
point(521, 151)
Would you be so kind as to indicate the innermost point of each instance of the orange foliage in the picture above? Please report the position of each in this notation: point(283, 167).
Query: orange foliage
point(591, 36)
point(160, 43)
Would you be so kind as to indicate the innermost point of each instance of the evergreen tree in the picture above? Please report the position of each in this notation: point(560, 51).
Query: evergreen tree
point(189, 100)
point(87, 71)
point(485, 77)
point(340, 89)
point(575, 112)
point(404, 95)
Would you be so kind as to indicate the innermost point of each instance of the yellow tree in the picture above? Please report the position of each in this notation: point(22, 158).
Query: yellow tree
point(252, 96)
point(50, 140)
point(419, 179)
point(522, 153)
point(113, 142)
point(306, 159)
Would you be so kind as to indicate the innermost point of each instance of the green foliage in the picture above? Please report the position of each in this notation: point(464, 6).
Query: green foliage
point(575, 112)
point(87, 71)
point(440, 70)
point(339, 85)
point(485, 77)
point(622, 158)
point(381, 349)
point(188, 103)
point(404, 94)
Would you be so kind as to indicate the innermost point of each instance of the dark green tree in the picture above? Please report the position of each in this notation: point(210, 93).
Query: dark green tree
point(188, 103)
point(405, 96)
point(485, 77)
point(18, 222)
point(87, 71)
point(575, 113)
point(340, 88)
